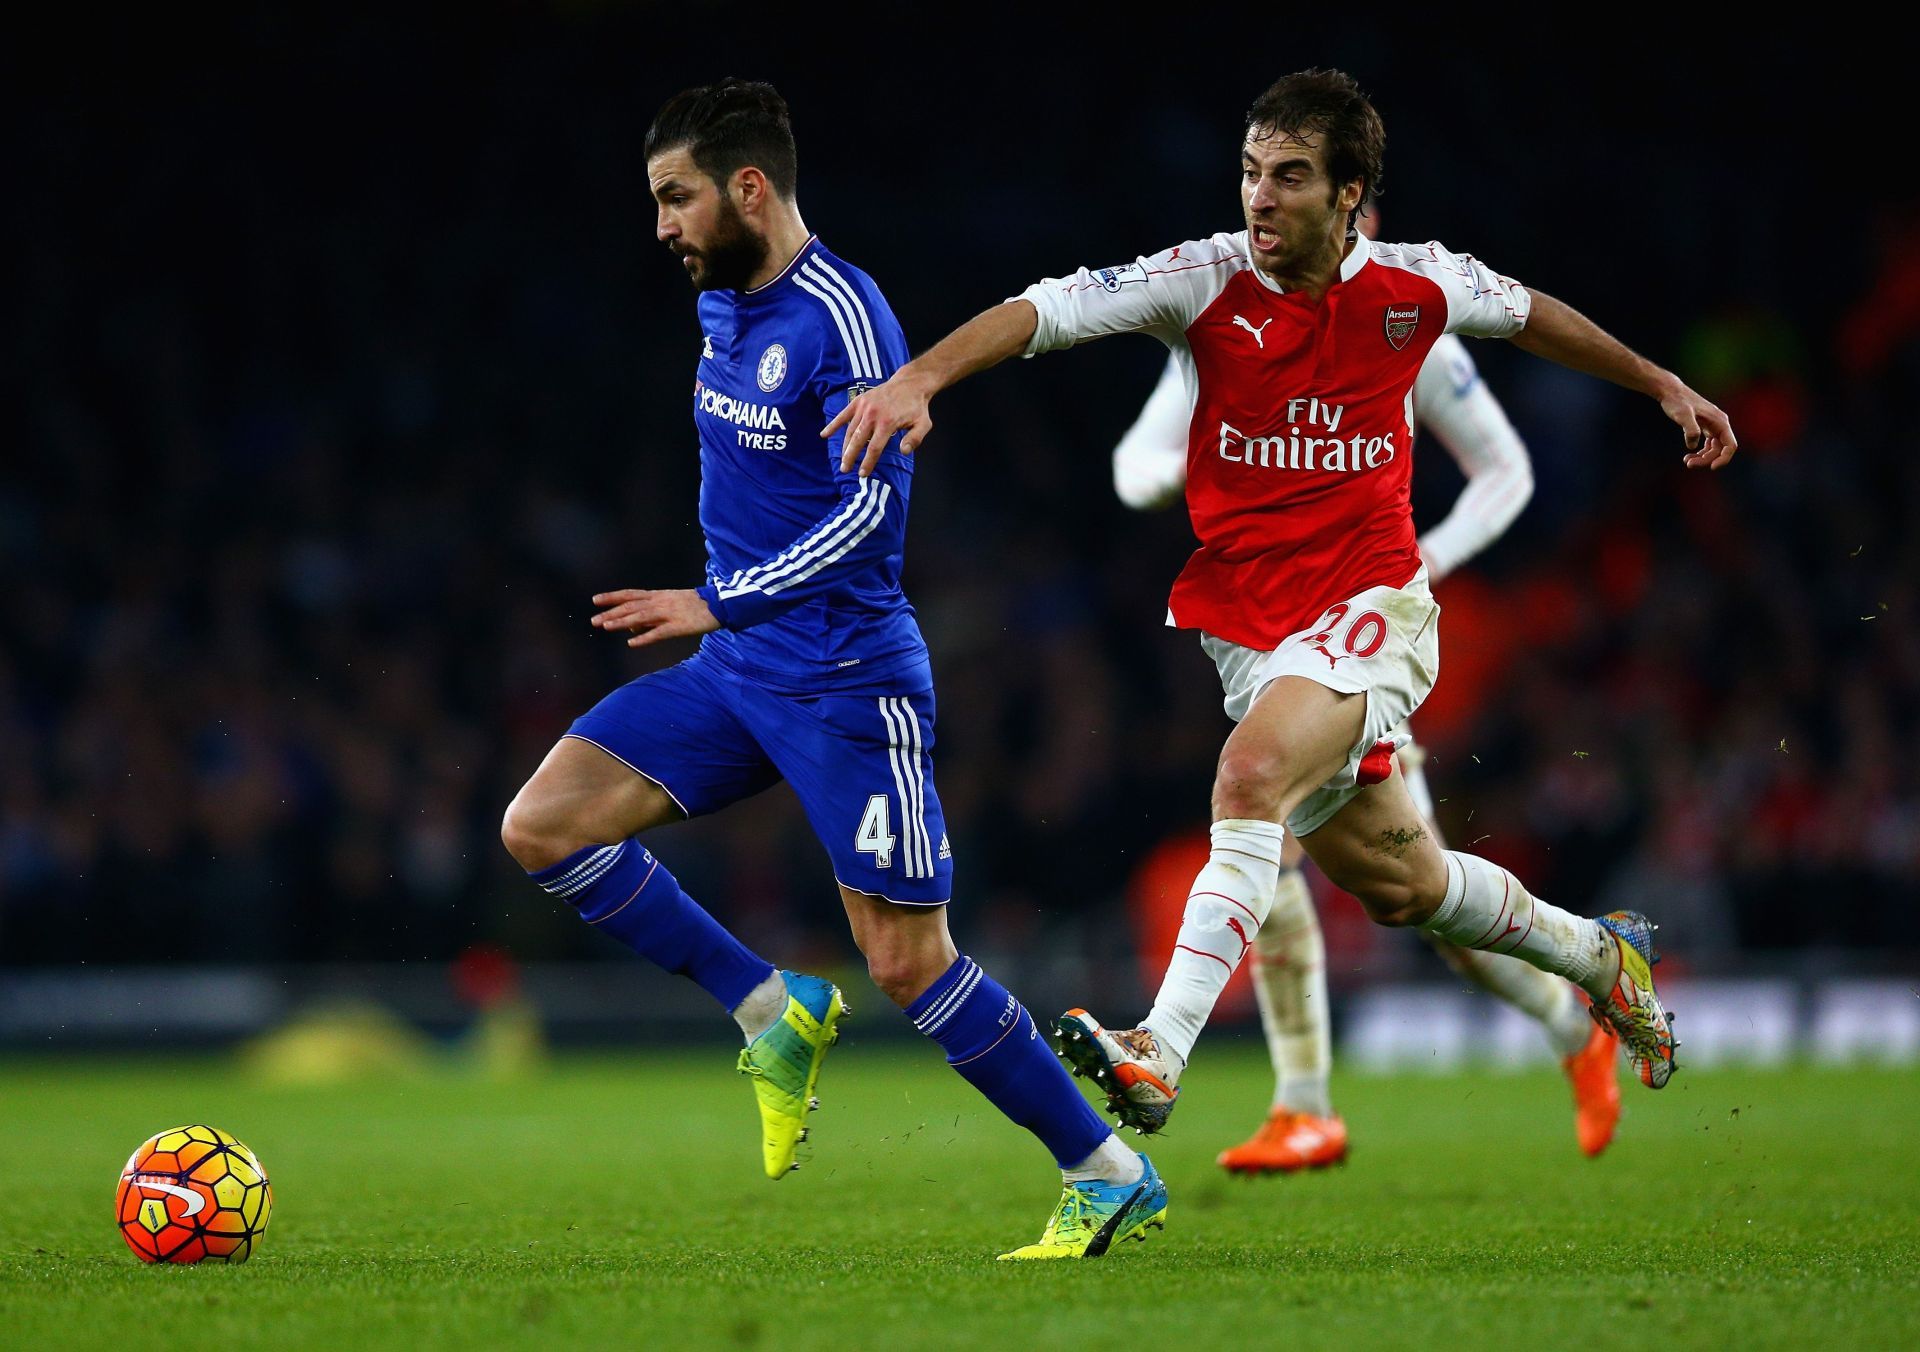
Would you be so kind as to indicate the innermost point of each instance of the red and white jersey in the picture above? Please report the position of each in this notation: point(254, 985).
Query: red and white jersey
point(1450, 401)
point(1299, 464)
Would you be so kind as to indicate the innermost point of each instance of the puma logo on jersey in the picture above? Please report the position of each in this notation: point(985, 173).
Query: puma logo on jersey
point(1332, 661)
point(1259, 335)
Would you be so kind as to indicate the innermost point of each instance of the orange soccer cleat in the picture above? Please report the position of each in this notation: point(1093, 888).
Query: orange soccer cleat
point(1288, 1142)
point(1593, 1072)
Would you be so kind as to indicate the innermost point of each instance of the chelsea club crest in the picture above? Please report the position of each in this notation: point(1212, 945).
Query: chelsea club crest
point(773, 368)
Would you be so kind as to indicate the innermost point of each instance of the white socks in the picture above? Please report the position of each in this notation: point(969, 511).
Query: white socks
point(1486, 908)
point(1547, 998)
point(762, 1008)
point(1290, 981)
point(1112, 1162)
point(1229, 900)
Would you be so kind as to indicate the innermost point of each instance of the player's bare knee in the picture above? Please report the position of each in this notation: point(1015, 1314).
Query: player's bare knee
point(902, 974)
point(531, 838)
point(904, 955)
point(892, 977)
point(1249, 784)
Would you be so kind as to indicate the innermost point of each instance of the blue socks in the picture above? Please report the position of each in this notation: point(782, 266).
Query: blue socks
point(987, 1036)
point(991, 1040)
point(624, 891)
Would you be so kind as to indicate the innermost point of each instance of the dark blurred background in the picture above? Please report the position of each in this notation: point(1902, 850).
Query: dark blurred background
point(342, 366)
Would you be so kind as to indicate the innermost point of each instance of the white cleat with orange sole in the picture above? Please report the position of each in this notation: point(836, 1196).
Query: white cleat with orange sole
point(1139, 1076)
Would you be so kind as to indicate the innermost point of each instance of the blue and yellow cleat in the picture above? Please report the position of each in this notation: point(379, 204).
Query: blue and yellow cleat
point(1632, 1009)
point(1093, 1217)
point(784, 1063)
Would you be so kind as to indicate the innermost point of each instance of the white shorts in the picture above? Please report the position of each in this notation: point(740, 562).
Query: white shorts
point(1383, 644)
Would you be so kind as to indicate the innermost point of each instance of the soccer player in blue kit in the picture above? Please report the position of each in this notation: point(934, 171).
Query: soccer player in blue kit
point(812, 670)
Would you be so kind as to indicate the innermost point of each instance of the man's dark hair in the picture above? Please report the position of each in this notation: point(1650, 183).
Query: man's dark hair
point(728, 126)
point(1331, 105)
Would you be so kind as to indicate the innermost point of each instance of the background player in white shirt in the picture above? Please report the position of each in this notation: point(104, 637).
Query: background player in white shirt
point(1301, 1131)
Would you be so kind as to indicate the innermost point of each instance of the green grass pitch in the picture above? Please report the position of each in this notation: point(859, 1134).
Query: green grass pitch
point(619, 1202)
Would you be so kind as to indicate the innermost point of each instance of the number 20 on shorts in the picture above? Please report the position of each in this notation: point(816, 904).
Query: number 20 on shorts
point(1365, 633)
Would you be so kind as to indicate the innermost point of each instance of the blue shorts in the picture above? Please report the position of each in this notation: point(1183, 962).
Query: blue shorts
point(862, 766)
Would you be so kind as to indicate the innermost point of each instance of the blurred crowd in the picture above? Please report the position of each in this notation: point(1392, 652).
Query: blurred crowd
point(330, 422)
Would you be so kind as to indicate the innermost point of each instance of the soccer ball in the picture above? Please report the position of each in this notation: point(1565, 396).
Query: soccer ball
point(192, 1193)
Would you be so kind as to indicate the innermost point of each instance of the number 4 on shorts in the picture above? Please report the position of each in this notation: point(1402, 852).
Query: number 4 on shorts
point(875, 836)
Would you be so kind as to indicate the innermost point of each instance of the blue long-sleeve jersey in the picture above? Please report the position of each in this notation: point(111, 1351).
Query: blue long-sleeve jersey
point(803, 561)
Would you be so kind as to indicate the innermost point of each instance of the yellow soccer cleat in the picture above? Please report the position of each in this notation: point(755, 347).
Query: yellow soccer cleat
point(1093, 1216)
point(784, 1064)
point(1632, 1008)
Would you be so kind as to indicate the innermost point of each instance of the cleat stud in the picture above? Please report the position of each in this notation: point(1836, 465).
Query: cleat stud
point(803, 1133)
point(794, 1167)
point(812, 1103)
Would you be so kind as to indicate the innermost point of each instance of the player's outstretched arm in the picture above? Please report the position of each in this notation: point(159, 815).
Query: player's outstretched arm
point(1561, 333)
point(653, 615)
point(901, 402)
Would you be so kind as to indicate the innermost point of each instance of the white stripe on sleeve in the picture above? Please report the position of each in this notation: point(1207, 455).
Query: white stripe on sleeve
point(856, 354)
point(854, 522)
point(826, 274)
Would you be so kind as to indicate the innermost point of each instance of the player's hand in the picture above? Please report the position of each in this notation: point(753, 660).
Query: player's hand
point(872, 418)
point(1709, 436)
point(653, 615)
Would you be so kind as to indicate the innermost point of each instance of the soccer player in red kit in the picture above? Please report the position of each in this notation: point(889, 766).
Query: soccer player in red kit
point(1300, 341)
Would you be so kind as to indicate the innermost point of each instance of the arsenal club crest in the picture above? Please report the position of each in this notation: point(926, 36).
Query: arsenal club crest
point(1402, 320)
